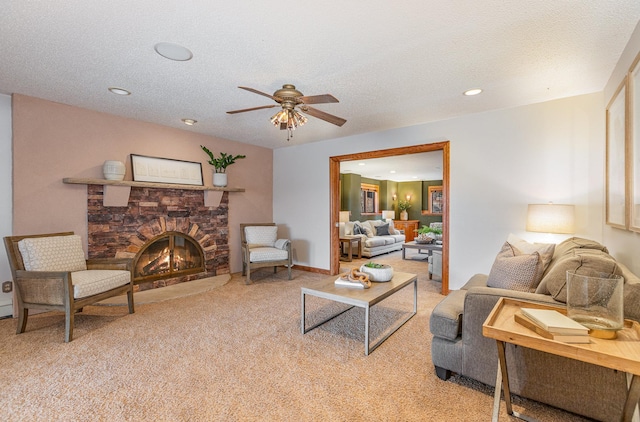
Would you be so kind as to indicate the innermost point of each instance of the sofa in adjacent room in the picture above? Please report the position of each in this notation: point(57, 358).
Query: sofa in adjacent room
point(377, 236)
point(458, 345)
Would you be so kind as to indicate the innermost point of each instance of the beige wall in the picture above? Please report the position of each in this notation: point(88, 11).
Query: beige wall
point(52, 141)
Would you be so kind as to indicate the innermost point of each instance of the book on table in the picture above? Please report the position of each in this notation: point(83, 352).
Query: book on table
point(565, 338)
point(555, 322)
point(349, 283)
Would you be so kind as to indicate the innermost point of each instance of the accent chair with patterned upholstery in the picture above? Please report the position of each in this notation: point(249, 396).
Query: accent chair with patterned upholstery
point(50, 273)
point(262, 248)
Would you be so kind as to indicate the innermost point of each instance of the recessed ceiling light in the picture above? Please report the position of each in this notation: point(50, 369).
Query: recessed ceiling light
point(474, 91)
point(414, 177)
point(173, 51)
point(189, 122)
point(119, 91)
point(392, 172)
point(361, 164)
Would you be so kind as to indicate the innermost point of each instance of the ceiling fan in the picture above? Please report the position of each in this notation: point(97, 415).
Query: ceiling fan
point(291, 100)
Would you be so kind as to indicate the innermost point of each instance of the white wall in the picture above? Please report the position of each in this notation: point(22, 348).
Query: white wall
point(5, 197)
point(623, 244)
point(500, 162)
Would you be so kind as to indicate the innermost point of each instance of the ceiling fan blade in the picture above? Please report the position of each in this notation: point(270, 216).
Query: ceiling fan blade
point(338, 121)
point(251, 109)
point(255, 91)
point(317, 99)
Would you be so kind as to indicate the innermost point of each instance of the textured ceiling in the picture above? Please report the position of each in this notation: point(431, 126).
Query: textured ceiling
point(391, 64)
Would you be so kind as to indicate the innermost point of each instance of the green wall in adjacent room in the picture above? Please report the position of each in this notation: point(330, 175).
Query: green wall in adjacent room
point(350, 197)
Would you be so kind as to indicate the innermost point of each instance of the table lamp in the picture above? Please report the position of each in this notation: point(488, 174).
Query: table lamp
point(551, 218)
point(388, 215)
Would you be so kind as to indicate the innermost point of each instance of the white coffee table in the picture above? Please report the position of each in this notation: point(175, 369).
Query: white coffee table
point(361, 298)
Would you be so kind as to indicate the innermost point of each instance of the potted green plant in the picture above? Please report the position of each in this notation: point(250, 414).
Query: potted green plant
point(220, 165)
point(428, 234)
point(403, 206)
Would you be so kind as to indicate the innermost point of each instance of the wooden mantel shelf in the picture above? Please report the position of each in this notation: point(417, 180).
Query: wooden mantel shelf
point(116, 192)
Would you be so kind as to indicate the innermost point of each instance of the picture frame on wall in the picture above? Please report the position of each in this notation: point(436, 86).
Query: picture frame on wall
point(436, 200)
point(616, 120)
point(634, 146)
point(166, 170)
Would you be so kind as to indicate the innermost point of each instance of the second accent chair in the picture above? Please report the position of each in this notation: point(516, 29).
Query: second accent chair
point(262, 248)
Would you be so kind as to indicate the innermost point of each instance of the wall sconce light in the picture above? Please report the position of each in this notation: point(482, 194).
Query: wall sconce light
point(408, 197)
point(394, 196)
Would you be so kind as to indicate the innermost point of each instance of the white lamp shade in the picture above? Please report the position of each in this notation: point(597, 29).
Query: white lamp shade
point(550, 218)
point(388, 215)
point(344, 216)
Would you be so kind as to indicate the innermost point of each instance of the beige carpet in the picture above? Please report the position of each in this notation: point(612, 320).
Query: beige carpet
point(170, 292)
point(235, 353)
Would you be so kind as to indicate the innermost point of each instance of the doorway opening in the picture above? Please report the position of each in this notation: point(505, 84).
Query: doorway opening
point(334, 182)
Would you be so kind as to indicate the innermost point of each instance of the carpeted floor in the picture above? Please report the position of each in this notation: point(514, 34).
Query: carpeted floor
point(235, 353)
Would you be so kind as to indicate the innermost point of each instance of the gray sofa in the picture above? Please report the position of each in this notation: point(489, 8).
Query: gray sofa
point(458, 345)
point(373, 243)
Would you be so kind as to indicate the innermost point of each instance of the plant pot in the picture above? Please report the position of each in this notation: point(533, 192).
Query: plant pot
point(113, 170)
point(220, 179)
point(385, 273)
point(404, 215)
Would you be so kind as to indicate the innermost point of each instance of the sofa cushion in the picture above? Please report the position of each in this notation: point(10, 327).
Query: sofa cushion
point(388, 240)
point(52, 253)
point(398, 238)
point(581, 261)
point(267, 254)
point(478, 280)
point(91, 282)
point(372, 242)
point(515, 270)
point(446, 318)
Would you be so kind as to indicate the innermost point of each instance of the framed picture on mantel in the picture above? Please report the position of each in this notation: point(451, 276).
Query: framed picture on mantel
point(165, 170)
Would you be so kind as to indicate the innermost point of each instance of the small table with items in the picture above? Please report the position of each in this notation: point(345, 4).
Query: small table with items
point(361, 298)
point(348, 242)
point(621, 354)
point(429, 247)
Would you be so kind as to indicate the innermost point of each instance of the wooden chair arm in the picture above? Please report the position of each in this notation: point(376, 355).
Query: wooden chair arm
point(43, 287)
point(125, 264)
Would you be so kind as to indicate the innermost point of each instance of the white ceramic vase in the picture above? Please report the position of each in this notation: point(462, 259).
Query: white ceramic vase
point(220, 179)
point(113, 170)
point(378, 274)
point(404, 215)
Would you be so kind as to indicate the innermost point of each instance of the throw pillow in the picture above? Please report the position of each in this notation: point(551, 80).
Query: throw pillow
point(515, 270)
point(544, 249)
point(581, 261)
point(382, 230)
point(358, 229)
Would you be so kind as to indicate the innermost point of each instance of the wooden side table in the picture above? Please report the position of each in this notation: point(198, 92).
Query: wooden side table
point(409, 226)
point(348, 242)
point(621, 354)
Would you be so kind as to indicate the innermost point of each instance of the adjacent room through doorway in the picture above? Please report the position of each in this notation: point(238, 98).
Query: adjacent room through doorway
point(387, 194)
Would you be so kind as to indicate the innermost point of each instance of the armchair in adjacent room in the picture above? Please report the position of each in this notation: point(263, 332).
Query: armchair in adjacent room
point(262, 248)
point(435, 259)
point(50, 273)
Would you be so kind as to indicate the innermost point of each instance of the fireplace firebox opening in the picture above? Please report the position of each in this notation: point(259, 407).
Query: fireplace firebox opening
point(170, 254)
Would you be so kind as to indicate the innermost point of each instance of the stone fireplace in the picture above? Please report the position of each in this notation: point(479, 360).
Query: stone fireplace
point(171, 234)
